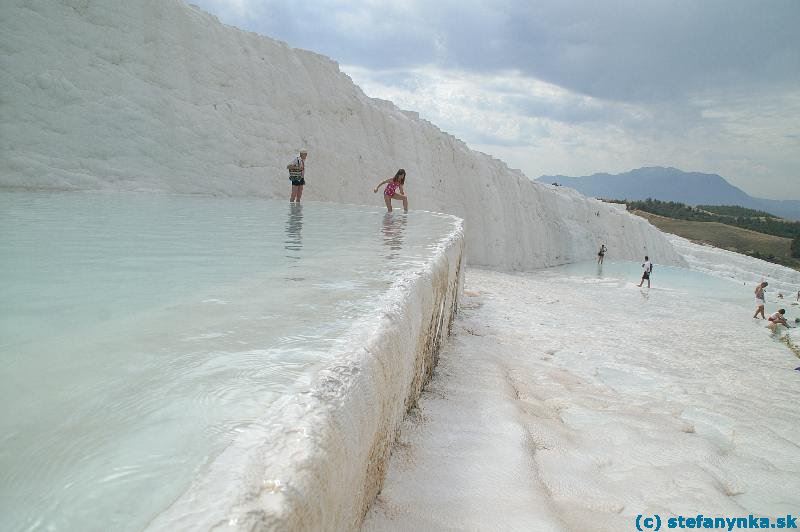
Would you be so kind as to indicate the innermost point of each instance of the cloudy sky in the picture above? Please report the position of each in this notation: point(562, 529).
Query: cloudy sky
point(574, 87)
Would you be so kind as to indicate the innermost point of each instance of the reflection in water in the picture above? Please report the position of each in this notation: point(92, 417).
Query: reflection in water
point(294, 225)
point(294, 239)
point(394, 227)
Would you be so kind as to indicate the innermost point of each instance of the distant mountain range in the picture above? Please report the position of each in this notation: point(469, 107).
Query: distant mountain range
point(671, 184)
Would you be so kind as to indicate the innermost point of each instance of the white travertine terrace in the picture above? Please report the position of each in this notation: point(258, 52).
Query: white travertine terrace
point(156, 95)
point(317, 461)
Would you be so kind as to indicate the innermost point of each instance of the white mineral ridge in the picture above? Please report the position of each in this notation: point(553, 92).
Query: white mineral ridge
point(159, 96)
point(748, 270)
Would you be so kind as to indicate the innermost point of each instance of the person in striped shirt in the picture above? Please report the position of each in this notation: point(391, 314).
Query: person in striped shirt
point(297, 175)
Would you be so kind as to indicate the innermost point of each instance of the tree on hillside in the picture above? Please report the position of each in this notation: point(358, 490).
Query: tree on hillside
point(761, 221)
point(735, 211)
point(796, 247)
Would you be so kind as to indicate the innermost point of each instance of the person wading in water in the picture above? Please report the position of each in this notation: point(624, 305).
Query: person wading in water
point(297, 175)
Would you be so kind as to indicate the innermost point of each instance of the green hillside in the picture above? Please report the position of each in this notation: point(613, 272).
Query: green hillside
point(768, 247)
point(751, 232)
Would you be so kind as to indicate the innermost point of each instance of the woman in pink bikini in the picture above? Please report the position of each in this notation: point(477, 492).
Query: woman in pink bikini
point(394, 190)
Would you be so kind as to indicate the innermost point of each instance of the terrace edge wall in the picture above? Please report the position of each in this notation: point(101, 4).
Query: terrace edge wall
point(336, 442)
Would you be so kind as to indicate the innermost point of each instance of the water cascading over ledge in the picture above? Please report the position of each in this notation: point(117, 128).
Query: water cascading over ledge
point(336, 440)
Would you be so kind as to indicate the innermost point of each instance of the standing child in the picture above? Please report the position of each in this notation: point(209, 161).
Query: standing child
point(394, 190)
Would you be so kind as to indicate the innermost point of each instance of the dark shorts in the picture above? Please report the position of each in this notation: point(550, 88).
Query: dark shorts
point(646, 275)
point(299, 182)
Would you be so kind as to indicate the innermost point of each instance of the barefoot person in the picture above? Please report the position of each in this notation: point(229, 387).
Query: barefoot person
point(394, 190)
point(601, 254)
point(647, 268)
point(777, 319)
point(297, 175)
point(760, 301)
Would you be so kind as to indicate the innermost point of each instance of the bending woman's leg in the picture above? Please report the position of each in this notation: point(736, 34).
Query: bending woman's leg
point(388, 200)
point(404, 198)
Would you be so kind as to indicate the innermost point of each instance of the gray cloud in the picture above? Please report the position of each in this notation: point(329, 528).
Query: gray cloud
point(629, 50)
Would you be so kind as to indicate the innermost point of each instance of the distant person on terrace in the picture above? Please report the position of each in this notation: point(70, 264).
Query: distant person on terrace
point(297, 175)
point(777, 319)
point(760, 301)
point(601, 254)
point(647, 268)
point(394, 190)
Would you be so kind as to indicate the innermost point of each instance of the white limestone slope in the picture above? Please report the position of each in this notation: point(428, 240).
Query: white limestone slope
point(669, 401)
point(156, 95)
point(731, 265)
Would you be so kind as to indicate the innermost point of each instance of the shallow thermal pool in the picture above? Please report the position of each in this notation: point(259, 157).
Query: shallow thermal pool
point(664, 278)
point(139, 334)
point(699, 295)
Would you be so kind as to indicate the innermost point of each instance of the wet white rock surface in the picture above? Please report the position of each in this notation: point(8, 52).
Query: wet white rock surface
point(571, 402)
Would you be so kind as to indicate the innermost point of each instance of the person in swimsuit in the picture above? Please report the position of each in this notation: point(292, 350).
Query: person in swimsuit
point(297, 175)
point(777, 319)
point(760, 301)
point(394, 190)
point(601, 254)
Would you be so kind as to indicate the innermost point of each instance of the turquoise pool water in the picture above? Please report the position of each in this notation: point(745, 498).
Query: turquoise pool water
point(140, 334)
point(692, 283)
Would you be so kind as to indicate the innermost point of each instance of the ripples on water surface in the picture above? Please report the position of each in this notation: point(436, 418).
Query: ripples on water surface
point(140, 334)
